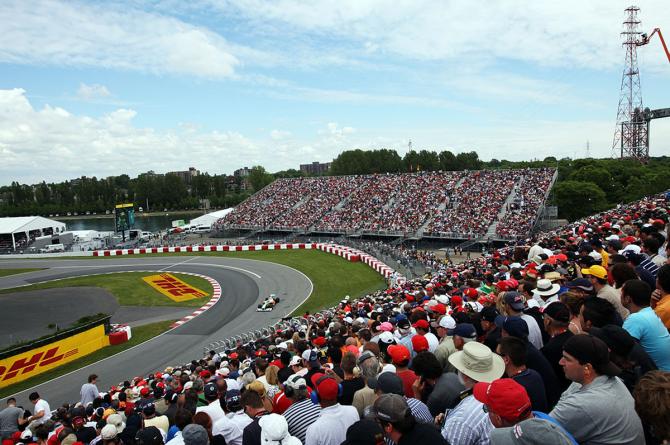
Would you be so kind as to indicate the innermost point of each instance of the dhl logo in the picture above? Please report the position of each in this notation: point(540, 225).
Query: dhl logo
point(174, 288)
point(26, 365)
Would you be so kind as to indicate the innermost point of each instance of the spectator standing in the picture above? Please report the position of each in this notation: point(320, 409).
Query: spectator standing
point(661, 296)
point(10, 419)
point(400, 357)
point(89, 391)
point(556, 324)
point(468, 424)
point(213, 408)
point(598, 276)
point(597, 407)
point(438, 389)
point(513, 352)
point(254, 408)
point(302, 412)
point(643, 323)
point(41, 412)
point(330, 428)
point(652, 403)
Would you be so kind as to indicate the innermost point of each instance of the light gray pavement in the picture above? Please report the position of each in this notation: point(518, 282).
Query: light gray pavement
point(243, 282)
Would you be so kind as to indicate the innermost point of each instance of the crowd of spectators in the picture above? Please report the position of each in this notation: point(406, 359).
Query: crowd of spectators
point(448, 203)
point(476, 203)
point(530, 195)
point(560, 339)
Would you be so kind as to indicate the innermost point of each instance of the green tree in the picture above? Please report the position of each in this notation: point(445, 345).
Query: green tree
point(259, 178)
point(576, 199)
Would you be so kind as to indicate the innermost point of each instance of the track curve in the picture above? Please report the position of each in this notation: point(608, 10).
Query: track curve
point(243, 283)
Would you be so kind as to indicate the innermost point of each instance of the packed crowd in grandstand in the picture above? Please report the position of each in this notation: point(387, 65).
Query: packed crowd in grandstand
point(560, 339)
point(444, 204)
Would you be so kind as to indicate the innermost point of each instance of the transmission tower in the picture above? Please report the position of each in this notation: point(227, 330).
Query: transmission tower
point(631, 132)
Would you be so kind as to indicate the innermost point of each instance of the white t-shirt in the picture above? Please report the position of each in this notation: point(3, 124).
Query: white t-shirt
point(42, 405)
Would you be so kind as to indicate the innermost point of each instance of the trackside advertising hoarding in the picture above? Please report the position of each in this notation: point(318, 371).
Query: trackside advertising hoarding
point(35, 361)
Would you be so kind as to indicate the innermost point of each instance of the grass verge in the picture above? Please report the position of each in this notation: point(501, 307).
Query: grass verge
point(128, 288)
point(140, 334)
point(333, 276)
point(7, 272)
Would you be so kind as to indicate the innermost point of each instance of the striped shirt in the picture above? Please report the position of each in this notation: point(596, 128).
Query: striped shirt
point(419, 410)
point(467, 424)
point(299, 416)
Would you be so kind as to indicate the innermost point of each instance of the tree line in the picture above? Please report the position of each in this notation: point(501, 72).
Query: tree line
point(584, 186)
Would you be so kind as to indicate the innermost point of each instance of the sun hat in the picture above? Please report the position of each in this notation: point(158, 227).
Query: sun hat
point(274, 431)
point(478, 362)
point(546, 288)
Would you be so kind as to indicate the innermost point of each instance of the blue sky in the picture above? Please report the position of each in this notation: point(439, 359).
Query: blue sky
point(103, 88)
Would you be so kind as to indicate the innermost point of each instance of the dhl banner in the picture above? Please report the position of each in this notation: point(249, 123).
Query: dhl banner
point(38, 360)
point(173, 288)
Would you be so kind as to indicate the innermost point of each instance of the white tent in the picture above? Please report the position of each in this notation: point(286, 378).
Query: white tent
point(26, 224)
point(210, 218)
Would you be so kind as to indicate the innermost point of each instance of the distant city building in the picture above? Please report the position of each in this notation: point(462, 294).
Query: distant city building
point(315, 168)
point(242, 172)
point(186, 175)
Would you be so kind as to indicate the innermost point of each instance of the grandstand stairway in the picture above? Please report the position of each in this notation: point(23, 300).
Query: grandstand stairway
point(491, 231)
point(426, 223)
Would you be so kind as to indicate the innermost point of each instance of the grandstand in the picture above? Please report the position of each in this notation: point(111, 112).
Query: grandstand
point(448, 205)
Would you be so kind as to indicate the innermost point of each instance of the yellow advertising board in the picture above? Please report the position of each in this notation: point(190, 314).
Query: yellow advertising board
point(174, 288)
point(38, 360)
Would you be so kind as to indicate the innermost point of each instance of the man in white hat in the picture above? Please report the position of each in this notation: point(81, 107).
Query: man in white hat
point(546, 292)
point(468, 423)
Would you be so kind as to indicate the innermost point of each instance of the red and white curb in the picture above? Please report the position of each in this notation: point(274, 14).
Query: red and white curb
point(216, 295)
point(349, 253)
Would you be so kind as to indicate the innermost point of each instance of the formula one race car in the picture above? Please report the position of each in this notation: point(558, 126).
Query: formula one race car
point(268, 304)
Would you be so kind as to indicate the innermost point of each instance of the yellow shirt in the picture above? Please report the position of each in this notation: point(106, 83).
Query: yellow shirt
point(606, 257)
point(662, 309)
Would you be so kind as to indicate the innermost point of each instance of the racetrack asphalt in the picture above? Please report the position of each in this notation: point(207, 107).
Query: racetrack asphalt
point(244, 283)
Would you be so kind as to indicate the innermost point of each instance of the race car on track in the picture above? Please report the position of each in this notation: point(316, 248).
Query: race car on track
point(268, 304)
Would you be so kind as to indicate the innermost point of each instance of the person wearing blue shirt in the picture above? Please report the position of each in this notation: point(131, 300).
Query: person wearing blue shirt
point(644, 324)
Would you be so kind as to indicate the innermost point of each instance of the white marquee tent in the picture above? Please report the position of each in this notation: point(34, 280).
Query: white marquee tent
point(210, 218)
point(25, 224)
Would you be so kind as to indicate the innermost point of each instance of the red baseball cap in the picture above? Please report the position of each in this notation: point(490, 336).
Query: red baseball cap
point(144, 391)
point(456, 300)
point(421, 324)
point(504, 397)
point(439, 308)
point(470, 292)
point(399, 353)
point(326, 387)
point(419, 343)
point(233, 355)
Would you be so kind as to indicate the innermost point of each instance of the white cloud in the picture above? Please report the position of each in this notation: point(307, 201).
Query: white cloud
point(567, 33)
point(50, 32)
point(91, 92)
point(278, 135)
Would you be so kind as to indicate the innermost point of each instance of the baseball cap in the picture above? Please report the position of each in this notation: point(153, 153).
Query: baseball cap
point(386, 337)
point(295, 360)
point(447, 322)
point(514, 326)
point(364, 432)
point(195, 434)
point(419, 343)
point(233, 399)
point(211, 390)
point(489, 313)
point(421, 324)
point(580, 283)
point(466, 330)
point(391, 408)
point(149, 409)
point(149, 436)
point(596, 271)
point(558, 311)
point(296, 381)
point(589, 349)
point(530, 432)
point(514, 300)
point(398, 353)
point(386, 327)
point(387, 383)
point(325, 386)
point(504, 397)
